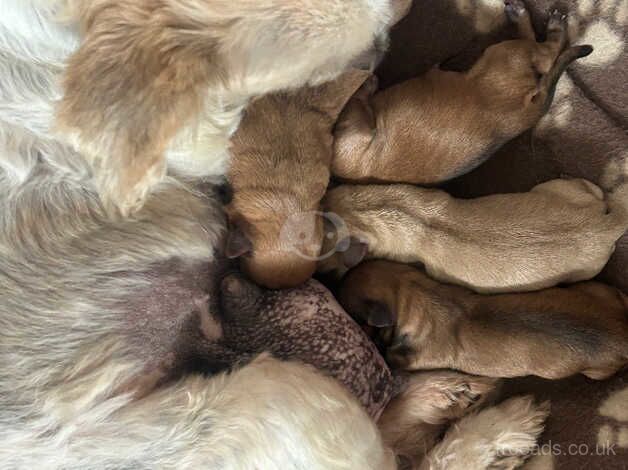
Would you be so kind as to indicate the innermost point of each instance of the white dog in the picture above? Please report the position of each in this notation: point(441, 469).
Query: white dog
point(97, 312)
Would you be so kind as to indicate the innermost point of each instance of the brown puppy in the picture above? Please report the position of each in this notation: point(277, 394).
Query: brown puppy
point(552, 333)
point(560, 231)
point(443, 124)
point(279, 173)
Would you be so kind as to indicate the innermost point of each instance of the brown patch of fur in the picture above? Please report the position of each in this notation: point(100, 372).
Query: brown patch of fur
point(138, 77)
point(443, 124)
point(552, 333)
point(279, 173)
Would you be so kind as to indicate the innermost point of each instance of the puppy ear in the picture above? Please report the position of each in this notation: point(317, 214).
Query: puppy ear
point(355, 252)
point(129, 88)
point(238, 244)
point(378, 314)
point(332, 97)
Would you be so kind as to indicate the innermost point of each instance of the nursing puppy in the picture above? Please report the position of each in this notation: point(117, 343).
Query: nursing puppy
point(160, 84)
point(553, 333)
point(414, 410)
point(279, 172)
point(443, 124)
point(560, 231)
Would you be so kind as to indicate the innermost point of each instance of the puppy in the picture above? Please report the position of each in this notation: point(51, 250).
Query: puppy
point(414, 410)
point(560, 231)
point(161, 84)
point(553, 333)
point(443, 124)
point(278, 175)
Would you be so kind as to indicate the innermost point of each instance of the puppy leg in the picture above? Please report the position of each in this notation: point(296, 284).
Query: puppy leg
point(557, 31)
point(547, 52)
point(413, 421)
point(518, 14)
point(500, 437)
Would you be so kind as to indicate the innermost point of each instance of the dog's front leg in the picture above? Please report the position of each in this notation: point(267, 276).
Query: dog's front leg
point(414, 420)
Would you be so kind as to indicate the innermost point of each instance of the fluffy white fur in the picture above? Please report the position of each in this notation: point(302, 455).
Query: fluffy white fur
point(500, 437)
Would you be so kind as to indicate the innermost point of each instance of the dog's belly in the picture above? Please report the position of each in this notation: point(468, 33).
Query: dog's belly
point(171, 320)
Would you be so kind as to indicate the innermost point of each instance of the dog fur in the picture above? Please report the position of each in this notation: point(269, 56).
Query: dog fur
point(98, 313)
point(279, 173)
point(443, 124)
point(552, 333)
point(560, 231)
point(475, 442)
point(170, 77)
point(429, 402)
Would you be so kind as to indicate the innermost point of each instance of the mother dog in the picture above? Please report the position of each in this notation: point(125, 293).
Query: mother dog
point(112, 113)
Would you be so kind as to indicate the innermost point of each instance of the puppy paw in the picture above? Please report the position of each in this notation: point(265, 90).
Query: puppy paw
point(557, 22)
point(439, 397)
point(500, 437)
point(463, 393)
point(515, 10)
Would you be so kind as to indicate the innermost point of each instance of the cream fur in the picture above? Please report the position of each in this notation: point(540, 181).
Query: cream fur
point(500, 437)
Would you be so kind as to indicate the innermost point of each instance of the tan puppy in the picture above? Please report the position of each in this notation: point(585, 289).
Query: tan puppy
point(443, 124)
point(159, 84)
point(279, 173)
point(560, 231)
point(552, 333)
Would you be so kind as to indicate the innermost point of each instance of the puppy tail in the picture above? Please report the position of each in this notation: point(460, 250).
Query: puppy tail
point(564, 60)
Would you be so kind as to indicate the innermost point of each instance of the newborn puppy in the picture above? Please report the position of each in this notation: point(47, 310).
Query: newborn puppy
point(560, 231)
point(443, 124)
point(553, 333)
point(306, 324)
point(279, 173)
